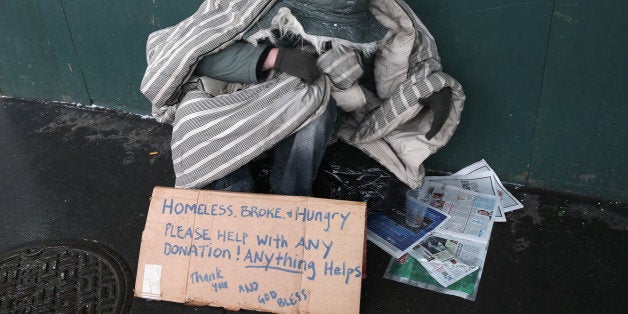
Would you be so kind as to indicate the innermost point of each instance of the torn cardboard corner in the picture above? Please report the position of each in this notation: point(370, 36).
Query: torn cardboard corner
point(284, 254)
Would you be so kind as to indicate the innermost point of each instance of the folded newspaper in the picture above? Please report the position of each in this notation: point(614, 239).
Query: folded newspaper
point(472, 214)
point(411, 271)
point(390, 232)
point(444, 259)
point(450, 259)
point(508, 201)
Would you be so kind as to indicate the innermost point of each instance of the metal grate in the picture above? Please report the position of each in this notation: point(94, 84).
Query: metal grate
point(64, 276)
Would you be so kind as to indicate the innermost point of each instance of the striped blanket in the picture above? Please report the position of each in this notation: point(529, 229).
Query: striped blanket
point(213, 136)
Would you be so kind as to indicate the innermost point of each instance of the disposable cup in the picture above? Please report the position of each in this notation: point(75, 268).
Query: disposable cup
point(416, 206)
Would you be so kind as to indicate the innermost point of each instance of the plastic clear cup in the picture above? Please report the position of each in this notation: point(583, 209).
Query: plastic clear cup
point(416, 206)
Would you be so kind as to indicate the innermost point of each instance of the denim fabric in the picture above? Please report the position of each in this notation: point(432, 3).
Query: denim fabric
point(296, 159)
point(240, 180)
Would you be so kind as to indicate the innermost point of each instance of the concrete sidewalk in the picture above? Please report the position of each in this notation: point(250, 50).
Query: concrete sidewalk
point(79, 173)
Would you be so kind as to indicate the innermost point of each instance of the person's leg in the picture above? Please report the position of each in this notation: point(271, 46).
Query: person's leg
point(297, 158)
point(240, 180)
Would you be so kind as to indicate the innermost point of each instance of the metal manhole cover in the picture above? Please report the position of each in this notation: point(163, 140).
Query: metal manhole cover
point(65, 277)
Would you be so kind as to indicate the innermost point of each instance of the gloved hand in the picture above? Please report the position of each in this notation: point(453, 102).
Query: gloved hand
point(440, 104)
point(298, 63)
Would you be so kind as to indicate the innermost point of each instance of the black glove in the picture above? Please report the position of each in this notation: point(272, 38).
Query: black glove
point(298, 63)
point(440, 104)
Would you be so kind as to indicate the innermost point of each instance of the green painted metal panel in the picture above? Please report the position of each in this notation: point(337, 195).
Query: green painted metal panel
point(496, 49)
point(37, 58)
point(110, 38)
point(581, 140)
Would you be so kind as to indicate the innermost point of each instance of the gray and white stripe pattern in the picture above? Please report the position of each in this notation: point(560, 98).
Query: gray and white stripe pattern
point(393, 134)
point(425, 76)
point(343, 67)
point(174, 51)
point(213, 136)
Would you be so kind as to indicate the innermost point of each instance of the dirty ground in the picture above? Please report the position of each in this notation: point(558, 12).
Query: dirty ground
point(70, 172)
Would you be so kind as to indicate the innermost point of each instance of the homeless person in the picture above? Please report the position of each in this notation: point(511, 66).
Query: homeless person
point(241, 77)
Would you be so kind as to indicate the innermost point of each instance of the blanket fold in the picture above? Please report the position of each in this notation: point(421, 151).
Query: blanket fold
point(214, 135)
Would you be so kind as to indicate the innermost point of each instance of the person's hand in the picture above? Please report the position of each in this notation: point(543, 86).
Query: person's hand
point(298, 63)
point(440, 104)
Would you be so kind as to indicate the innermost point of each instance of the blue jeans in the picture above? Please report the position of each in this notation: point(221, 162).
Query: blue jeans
point(296, 159)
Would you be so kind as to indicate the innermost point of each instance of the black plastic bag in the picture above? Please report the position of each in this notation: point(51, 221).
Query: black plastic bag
point(347, 173)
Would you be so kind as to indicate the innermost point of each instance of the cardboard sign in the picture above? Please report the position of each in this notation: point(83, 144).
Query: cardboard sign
point(274, 253)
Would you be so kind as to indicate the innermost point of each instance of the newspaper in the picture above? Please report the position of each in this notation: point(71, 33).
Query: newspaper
point(390, 232)
point(451, 260)
point(509, 202)
point(481, 182)
point(446, 260)
point(472, 214)
point(411, 271)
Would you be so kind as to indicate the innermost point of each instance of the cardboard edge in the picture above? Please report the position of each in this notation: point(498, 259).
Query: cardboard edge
point(157, 190)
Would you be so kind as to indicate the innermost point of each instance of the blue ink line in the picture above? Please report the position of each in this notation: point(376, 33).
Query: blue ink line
point(276, 268)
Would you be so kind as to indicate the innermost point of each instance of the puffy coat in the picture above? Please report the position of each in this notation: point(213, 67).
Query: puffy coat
point(348, 20)
point(406, 68)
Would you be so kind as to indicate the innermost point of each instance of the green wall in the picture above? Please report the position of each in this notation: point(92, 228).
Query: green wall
point(84, 51)
point(581, 135)
point(545, 79)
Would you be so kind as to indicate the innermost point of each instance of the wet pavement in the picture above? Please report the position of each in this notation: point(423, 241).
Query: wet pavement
point(70, 172)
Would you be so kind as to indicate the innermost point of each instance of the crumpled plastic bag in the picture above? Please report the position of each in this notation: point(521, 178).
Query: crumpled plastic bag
point(347, 173)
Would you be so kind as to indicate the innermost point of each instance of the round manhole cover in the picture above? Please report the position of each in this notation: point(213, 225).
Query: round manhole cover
point(66, 277)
